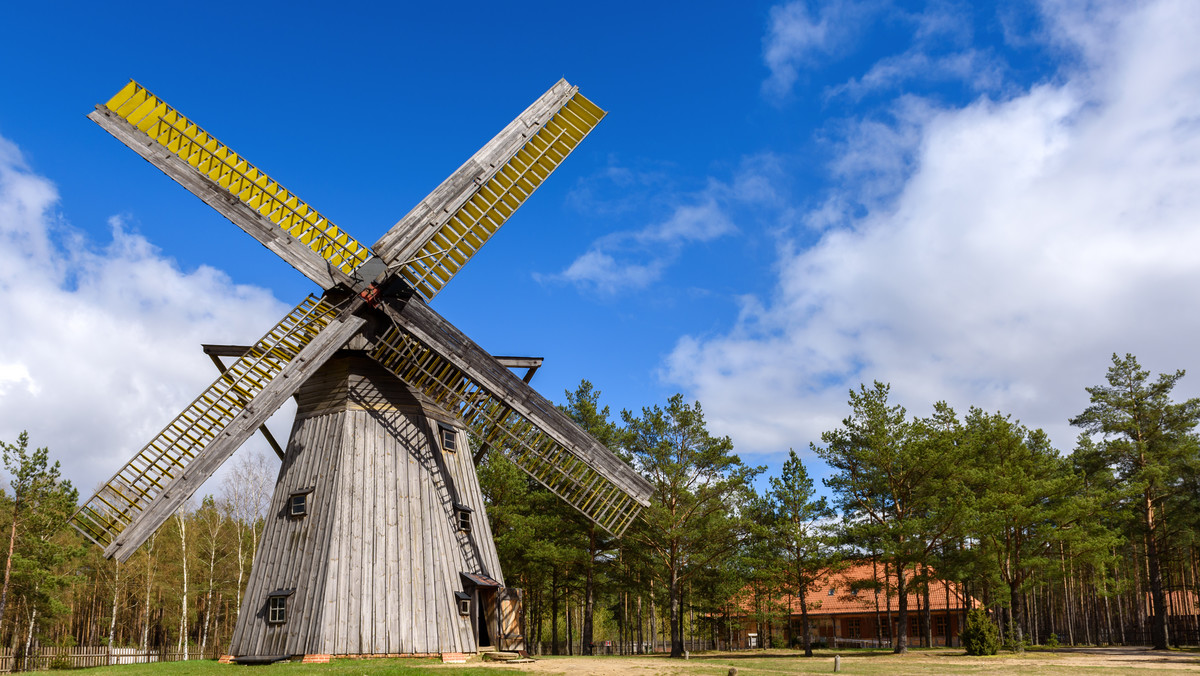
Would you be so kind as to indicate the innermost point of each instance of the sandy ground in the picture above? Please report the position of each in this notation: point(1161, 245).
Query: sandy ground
point(1066, 660)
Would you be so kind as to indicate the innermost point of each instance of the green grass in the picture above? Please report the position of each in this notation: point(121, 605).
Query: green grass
point(403, 667)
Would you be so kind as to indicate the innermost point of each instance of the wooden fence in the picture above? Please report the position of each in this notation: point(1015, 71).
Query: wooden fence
point(44, 658)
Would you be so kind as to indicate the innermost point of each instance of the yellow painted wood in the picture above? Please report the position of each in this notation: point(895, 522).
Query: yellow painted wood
point(517, 437)
point(447, 250)
point(223, 167)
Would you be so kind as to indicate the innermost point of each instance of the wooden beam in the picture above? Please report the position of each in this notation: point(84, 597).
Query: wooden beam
point(413, 231)
point(441, 336)
point(233, 435)
point(532, 364)
point(270, 235)
point(265, 432)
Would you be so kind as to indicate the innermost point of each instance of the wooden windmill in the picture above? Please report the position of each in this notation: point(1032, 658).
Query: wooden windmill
point(377, 540)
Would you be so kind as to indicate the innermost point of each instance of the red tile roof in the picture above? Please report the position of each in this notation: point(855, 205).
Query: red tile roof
point(845, 600)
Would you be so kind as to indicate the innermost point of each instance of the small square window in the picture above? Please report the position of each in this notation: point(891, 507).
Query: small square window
point(277, 610)
point(464, 603)
point(832, 591)
point(277, 605)
point(449, 438)
point(297, 505)
point(462, 514)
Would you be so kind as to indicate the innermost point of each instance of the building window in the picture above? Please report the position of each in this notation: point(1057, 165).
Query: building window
point(914, 628)
point(449, 438)
point(854, 628)
point(939, 625)
point(297, 505)
point(277, 606)
point(464, 602)
point(832, 591)
point(462, 514)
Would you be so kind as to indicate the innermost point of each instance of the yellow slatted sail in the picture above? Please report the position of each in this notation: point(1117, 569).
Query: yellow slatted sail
point(233, 174)
point(474, 223)
point(519, 439)
point(129, 492)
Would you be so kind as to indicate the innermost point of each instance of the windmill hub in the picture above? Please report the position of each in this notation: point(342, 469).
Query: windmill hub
point(377, 541)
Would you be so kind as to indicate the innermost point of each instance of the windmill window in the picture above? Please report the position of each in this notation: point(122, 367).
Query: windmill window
point(277, 606)
point(297, 505)
point(462, 514)
point(464, 602)
point(448, 437)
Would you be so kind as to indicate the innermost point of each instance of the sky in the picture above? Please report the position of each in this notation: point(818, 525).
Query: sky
point(975, 203)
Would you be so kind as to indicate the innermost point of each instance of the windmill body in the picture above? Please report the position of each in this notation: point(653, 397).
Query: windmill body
point(377, 541)
point(364, 543)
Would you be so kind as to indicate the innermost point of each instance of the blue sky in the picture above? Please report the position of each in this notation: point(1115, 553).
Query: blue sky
point(975, 203)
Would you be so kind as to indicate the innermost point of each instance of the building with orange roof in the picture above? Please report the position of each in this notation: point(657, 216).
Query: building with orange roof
point(850, 608)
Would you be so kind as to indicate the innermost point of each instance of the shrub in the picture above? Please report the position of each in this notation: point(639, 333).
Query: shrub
point(980, 636)
point(1052, 642)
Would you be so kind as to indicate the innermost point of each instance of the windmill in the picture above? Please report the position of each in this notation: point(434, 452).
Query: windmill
point(376, 542)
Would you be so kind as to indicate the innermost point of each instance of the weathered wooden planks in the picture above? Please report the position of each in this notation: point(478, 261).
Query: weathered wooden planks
point(440, 335)
point(290, 249)
point(232, 435)
point(376, 562)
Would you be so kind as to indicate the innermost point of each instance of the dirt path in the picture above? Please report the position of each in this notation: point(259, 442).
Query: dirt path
point(754, 663)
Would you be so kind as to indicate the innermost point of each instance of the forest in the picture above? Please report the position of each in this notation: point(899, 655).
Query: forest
point(1095, 545)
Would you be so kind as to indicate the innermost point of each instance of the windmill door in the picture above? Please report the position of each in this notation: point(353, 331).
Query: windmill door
point(512, 616)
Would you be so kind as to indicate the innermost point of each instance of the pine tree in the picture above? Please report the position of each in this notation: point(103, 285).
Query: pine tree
point(895, 483)
point(1147, 439)
point(802, 534)
point(698, 481)
point(38, 543)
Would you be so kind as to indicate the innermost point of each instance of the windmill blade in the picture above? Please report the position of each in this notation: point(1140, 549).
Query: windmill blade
point(443, 232)
point(152, 485)
point(431, 356)
point(228, 183)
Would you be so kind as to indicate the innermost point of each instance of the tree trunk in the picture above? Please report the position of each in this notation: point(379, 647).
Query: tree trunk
point(212, 563)
point(901, 611)
point(589, 594)
point(1158, 624)
point(12, 543)
point(804, 625)
point(183, 616)
point(878, 626)
point(887, 580)
point(148, 548)
point(653, 620)
point(1016, 614)
point(554, 612)
point(641, 638)
point(29, 637)
point(927, 616)
point(112, 624)
point(676, 616)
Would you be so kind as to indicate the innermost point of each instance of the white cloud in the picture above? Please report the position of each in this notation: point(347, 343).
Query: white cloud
point(1023, 242)
point(796, 39)
point(635, 259)
point(646, 253)
point(101, 341)
point(971, 66)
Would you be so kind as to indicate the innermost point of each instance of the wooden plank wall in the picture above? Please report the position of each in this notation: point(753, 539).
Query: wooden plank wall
point(376, 562)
